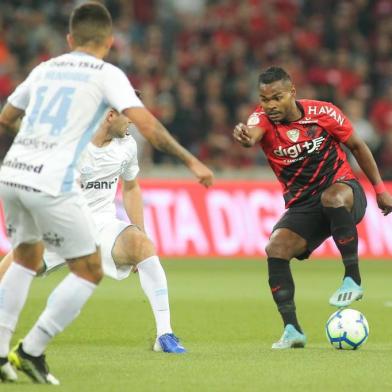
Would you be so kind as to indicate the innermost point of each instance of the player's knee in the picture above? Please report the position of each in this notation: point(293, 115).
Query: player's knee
point(29, 255)
point(134, 247)
point(278, 249)
point(149, 246)
point(144, 249)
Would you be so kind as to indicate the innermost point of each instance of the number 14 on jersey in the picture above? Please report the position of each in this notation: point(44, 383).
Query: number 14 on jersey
point(52, 111)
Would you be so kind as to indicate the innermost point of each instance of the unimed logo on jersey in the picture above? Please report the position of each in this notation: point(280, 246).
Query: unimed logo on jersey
point(295, 150)
point(19, 165)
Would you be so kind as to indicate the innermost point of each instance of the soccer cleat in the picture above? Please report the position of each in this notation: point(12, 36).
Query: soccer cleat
point(291, 338)
point(7, 372)
point(34, 367)
point(346, 294)
point(168, 343)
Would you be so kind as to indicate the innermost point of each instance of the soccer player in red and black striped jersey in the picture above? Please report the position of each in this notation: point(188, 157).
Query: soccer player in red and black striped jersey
point(302, 142)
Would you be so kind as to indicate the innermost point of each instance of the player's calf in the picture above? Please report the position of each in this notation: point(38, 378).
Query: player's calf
point(133, 247)
point(282, 288)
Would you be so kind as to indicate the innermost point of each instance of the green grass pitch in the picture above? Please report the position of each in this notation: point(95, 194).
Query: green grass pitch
point(223, 312)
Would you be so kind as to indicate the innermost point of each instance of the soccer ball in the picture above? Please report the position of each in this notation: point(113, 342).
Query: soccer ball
point(347, 329)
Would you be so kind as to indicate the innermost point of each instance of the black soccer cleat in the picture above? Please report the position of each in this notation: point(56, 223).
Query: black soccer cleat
point(7, 372)
point(34, 367)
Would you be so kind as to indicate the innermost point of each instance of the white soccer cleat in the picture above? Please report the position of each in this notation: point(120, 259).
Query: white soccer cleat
point(291, 338)
point(346, 294)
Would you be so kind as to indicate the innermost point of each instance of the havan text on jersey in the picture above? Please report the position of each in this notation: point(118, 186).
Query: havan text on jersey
point(318, 110)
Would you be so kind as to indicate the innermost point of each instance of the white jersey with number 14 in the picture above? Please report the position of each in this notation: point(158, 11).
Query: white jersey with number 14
point(64, 100)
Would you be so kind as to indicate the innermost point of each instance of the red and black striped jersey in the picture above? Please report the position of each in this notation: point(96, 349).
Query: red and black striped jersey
point(306, 154)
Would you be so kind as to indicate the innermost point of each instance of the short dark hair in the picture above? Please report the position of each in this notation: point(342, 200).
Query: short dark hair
point(90, 23)
point(273, 74)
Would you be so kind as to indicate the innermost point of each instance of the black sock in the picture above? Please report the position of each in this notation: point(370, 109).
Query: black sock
point(352, 270)
point(345, 235)
point(282, 288)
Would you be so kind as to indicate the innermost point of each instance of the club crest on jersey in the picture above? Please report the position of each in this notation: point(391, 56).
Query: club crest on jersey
point(253, 120)
point(86, 171)
point(293, 134)
point(123, 166)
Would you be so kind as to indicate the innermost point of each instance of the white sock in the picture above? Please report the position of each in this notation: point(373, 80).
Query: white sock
point(153, 281)
point(14, 288)
point(63, 306)
point(5, 338)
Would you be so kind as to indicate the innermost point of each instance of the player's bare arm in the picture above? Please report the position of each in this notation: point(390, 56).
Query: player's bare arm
point(247, 136)
point(368, 165)
point(9, 119)
point(161, 139)
point(133, 202)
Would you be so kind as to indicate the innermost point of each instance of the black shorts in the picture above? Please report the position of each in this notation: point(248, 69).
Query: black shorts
point(312, 225)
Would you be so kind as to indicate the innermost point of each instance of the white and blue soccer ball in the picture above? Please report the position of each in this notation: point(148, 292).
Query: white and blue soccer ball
point(347, 329)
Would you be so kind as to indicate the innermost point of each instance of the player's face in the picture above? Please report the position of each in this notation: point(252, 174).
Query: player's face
point(277, 100)
point(118, 125)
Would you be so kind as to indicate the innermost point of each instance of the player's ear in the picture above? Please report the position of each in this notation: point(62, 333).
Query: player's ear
point(293, 92)
point(112, 114)
point(109, 42)
point(70, 41)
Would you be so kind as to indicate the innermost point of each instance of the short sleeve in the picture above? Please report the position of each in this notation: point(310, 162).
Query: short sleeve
point(118, 90)
point(132, 168)
point(253, 120)
point(338, 125)
point(21, 96)
point(258, 119)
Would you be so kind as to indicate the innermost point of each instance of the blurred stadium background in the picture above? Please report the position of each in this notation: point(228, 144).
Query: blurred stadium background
point(197, 62)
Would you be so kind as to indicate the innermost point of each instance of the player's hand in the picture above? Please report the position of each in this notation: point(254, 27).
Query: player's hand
point(242, 136)
point(384, 201)
point(202, 172)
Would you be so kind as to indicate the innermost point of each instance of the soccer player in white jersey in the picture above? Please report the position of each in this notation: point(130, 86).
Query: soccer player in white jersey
point(112, 154)
point(62, 101)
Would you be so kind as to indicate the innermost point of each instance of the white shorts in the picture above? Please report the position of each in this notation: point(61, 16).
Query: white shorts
point(64, 223)
point(107, 237)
